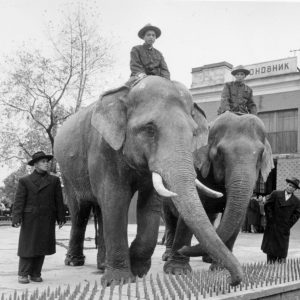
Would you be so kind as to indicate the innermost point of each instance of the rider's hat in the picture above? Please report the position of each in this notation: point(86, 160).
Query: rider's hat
point(240, 69)
point(147, 27)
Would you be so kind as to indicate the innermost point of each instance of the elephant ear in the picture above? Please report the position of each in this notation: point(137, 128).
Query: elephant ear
point(109, 117)
point(201, 136)
point(267, 163)
point(201, 160)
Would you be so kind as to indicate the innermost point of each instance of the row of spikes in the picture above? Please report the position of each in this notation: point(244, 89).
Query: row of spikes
point(200, 284)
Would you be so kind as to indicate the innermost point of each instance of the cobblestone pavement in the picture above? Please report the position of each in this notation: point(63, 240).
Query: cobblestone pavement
point(55, 273)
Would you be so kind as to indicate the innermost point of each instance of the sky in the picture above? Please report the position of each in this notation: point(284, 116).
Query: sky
point(194, 33)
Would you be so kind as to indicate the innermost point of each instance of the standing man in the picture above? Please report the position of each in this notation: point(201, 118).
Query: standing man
point(282, 209)
point(236, 95)
point(145, 59)
point(38, 205)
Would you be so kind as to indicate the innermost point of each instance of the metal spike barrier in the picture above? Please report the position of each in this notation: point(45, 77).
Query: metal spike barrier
point(260, 279)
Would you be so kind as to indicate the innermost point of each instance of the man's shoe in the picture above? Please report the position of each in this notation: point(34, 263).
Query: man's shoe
point(36, 279)
point(23, 279)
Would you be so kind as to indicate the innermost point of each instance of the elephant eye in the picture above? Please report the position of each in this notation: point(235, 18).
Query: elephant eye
point(150, 129)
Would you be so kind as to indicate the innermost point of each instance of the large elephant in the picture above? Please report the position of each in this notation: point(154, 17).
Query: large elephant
point(135, 140)
point(230, 163)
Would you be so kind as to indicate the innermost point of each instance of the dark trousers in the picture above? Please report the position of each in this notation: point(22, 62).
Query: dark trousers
point(31, 266)
point(271, 259)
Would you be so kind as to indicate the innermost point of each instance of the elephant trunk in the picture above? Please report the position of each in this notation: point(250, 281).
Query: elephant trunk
point(239, 191)
point(179, 177)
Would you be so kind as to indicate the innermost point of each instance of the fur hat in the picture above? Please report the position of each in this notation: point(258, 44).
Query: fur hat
point(147, 27)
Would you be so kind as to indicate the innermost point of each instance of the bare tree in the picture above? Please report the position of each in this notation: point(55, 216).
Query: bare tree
point(41, 92)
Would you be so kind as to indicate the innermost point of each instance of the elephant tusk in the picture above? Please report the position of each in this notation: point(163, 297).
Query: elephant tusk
point(159, 186)
point(208, 192)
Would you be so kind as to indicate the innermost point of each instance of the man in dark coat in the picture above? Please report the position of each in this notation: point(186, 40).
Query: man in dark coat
point(236, 95)
point(38, 205)
point(145, 59)
point(282, 209)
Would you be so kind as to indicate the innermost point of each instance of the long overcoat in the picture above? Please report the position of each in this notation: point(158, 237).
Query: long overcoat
point(38, 204)
point(281, 215)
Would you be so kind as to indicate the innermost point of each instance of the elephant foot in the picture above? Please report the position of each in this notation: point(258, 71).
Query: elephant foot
point(74, 260)
point(167, 254)
point(101, 267)
point(116, 276)
point(177, 267)
point(140, 267)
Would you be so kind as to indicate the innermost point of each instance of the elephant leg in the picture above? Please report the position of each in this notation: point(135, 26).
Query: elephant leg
point(80, 213)
point(114, 206)
point(177, 263)
point(163, 239)
point(148, 218)
point(101, 254)
point(170, 228)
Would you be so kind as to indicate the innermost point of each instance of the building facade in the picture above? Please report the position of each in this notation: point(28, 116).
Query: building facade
point(276, 90)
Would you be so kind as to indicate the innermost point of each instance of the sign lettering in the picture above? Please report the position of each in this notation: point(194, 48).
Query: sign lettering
point(271, 68)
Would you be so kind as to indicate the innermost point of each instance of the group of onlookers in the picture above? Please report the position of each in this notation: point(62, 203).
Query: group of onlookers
point(255, 220)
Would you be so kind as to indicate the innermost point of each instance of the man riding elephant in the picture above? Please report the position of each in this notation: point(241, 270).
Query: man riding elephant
point(145, 59)
point(236, 95)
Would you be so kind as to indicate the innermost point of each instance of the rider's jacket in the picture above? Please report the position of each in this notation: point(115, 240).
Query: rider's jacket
point(148, 60)
point(237, 97)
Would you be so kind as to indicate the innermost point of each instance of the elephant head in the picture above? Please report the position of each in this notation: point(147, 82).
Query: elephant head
point(156, 126)
point(236, 152)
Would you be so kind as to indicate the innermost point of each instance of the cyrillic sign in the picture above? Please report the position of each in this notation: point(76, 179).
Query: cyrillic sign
point(274, 67)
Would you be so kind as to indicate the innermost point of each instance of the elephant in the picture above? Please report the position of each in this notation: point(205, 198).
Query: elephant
point(138, 139)
point(237, 150)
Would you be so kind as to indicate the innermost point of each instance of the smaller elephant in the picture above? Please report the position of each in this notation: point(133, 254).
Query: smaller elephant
point(230, 163)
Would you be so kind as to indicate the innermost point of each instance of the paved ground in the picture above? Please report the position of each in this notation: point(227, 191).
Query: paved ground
point(55, 273)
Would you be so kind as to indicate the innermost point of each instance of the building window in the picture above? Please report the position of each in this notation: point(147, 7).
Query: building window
point(282, 130)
